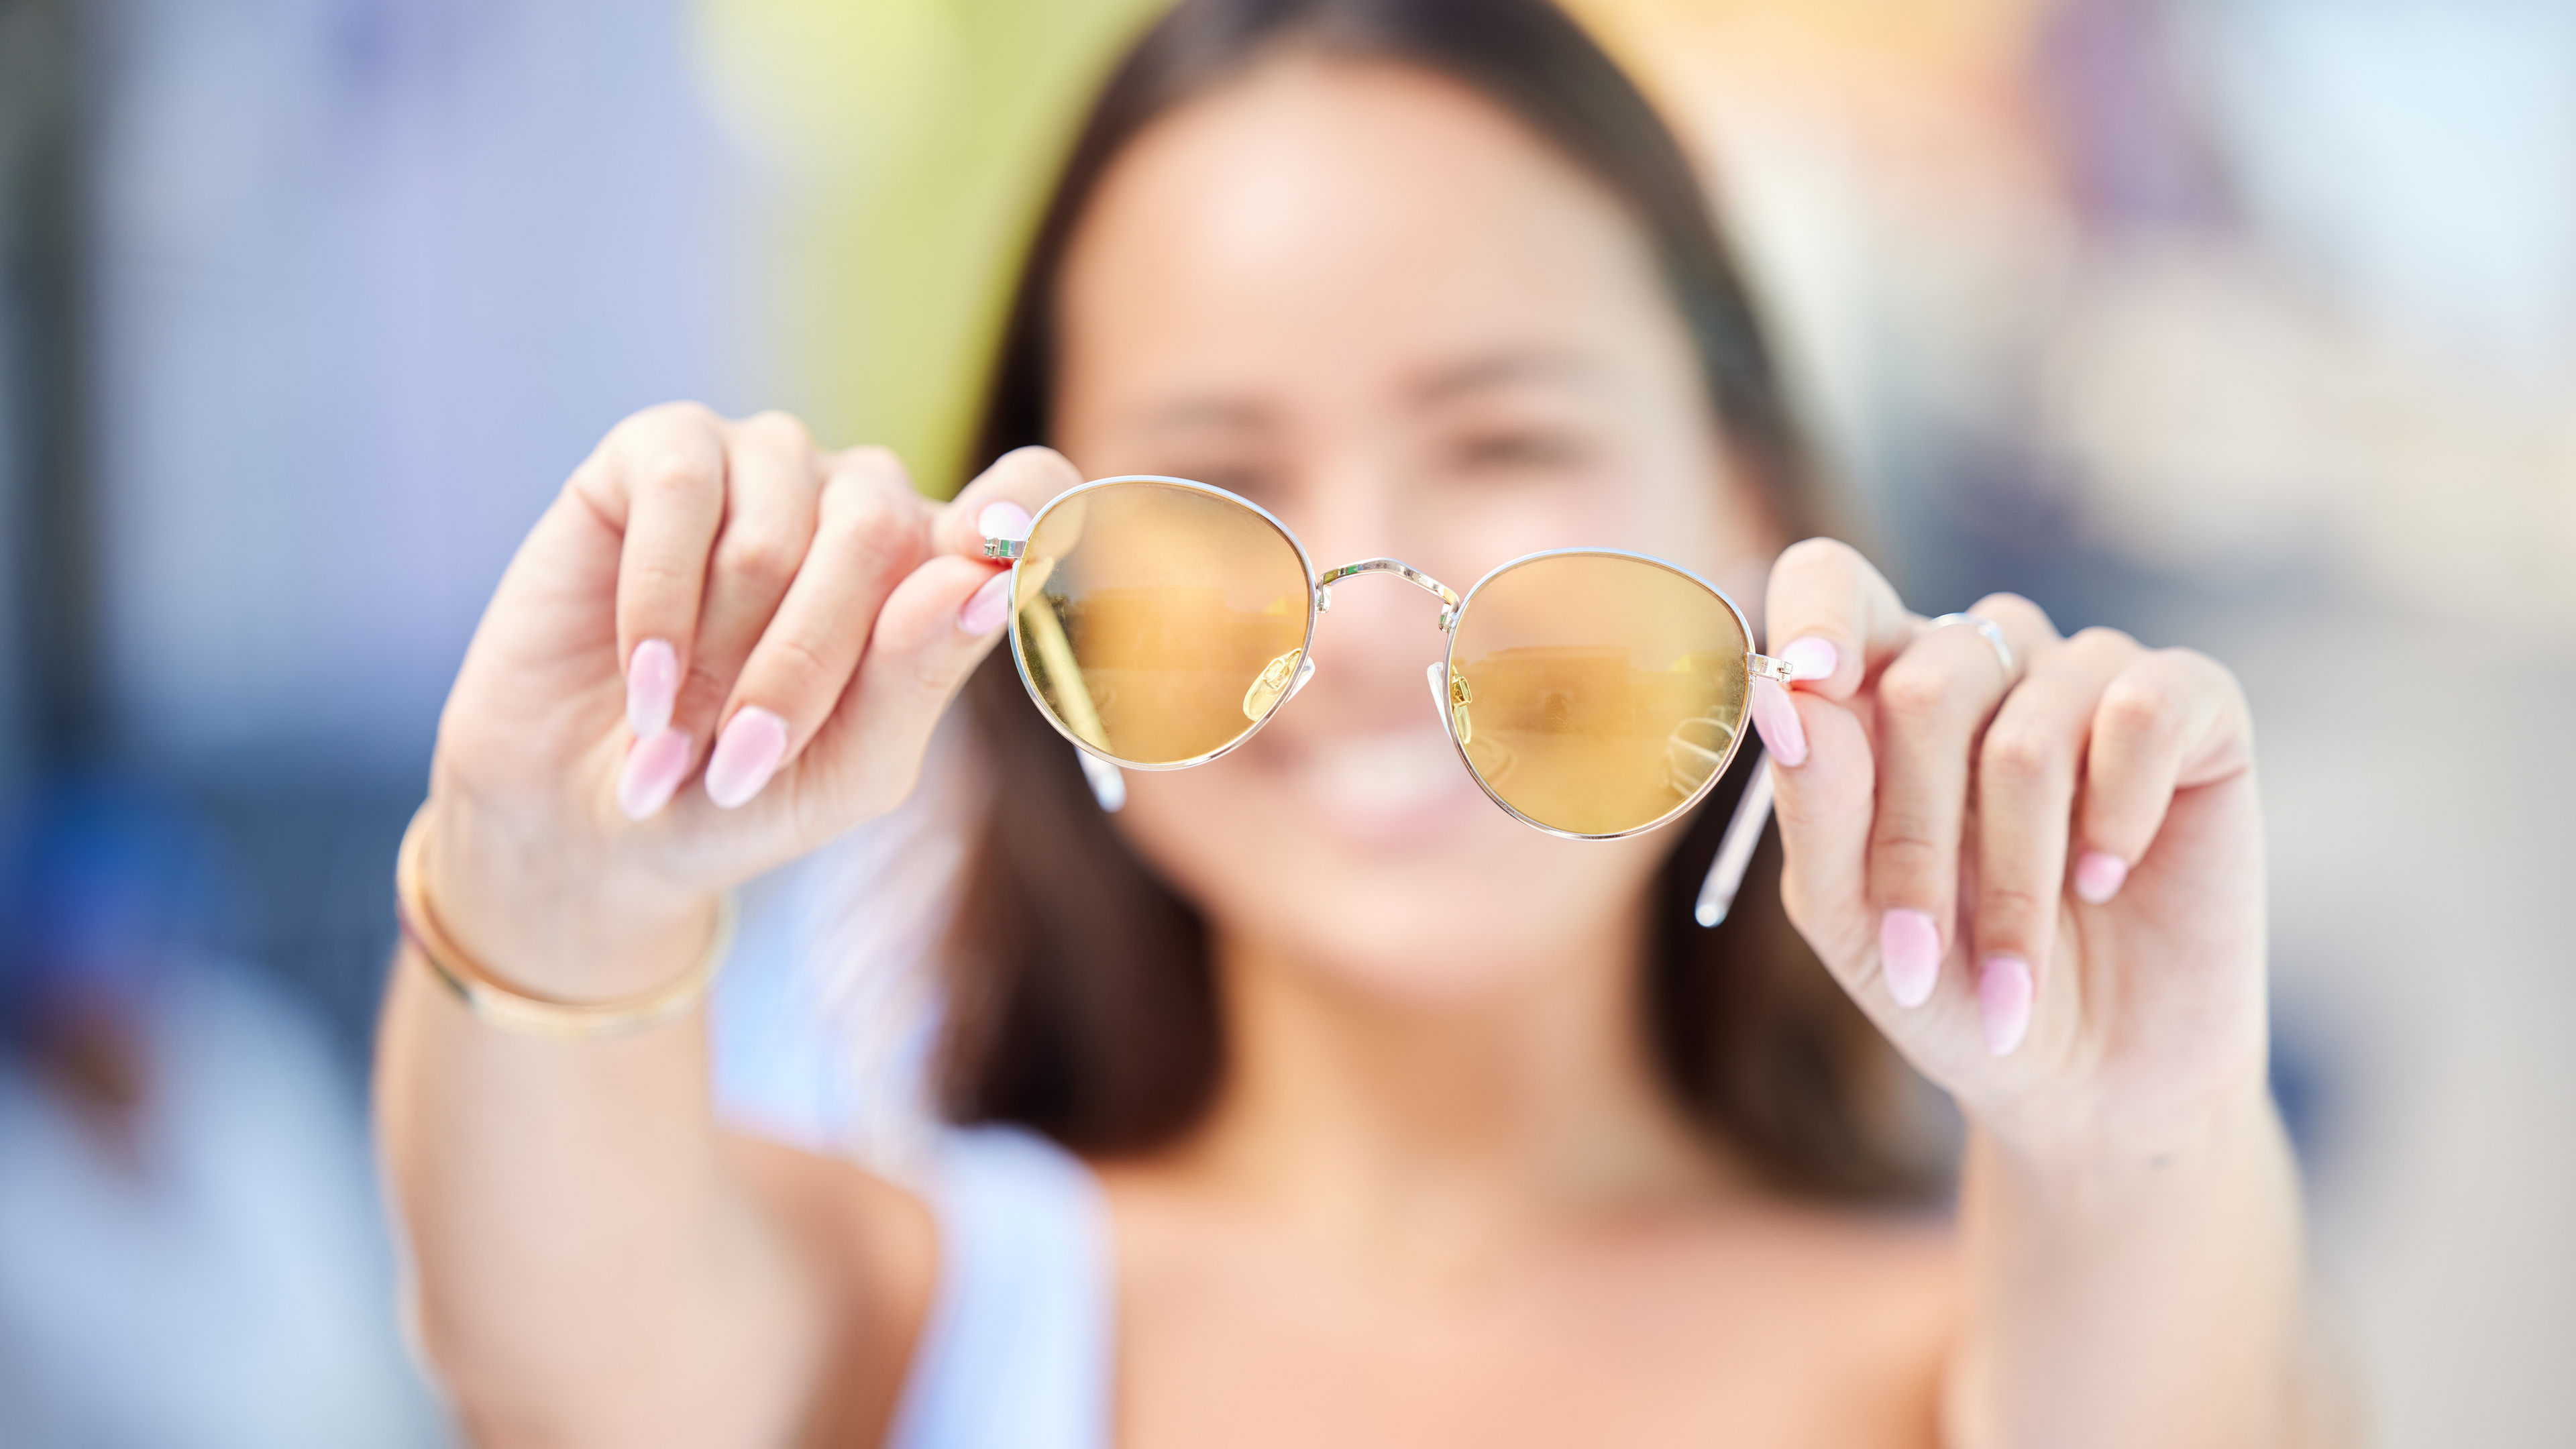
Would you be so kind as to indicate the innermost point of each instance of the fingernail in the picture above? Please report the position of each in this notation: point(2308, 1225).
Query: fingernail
point(1909, 955)
point(1811, 659)
point(652, 687)
point(2099, 876)
point(655, 765)
point(1004, 519)
point(1775, 719)
point(746, 755)
point(2003, 996)
point(992, 603)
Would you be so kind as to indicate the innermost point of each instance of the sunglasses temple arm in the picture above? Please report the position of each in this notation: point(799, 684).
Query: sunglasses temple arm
point(1735, 851)
point(1108, 783)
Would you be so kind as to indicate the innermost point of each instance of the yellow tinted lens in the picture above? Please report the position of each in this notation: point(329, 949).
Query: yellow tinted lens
point(1597, 694)
point(1158, 623)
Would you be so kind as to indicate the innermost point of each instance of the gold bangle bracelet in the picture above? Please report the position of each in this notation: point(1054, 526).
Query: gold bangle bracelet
point(487, 998)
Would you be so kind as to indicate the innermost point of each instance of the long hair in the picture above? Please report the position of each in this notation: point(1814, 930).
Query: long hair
point(1080, 998)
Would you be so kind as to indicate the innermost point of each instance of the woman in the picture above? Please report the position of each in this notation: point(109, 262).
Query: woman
point(1396, 1120)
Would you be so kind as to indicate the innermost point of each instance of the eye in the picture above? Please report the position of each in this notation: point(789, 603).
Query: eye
point(1248, 480)
point(1518, 450)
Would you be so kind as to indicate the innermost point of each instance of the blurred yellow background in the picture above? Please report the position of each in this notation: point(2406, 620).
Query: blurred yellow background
point(947, 115)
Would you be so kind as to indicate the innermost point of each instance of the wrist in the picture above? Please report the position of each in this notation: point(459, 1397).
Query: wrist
point(543, 917)
point(2101, 1156)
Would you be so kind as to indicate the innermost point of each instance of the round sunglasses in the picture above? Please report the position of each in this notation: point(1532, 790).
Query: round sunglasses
point(1594, 694)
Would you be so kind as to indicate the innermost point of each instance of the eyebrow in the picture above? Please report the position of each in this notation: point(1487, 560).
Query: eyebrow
point(1445, 383)
point(1210, 412)
point(1501, 369)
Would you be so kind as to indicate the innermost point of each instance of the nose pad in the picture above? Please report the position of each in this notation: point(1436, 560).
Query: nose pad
point(1279, 677)
point(1439, 696)
point(1305, 671)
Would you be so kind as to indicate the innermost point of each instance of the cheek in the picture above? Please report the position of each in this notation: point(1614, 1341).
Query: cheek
point(1486, 903)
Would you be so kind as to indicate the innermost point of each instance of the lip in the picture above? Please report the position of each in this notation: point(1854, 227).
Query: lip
point(1380, 791)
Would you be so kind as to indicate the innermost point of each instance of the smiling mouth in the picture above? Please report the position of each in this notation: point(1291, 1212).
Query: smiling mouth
point(1380, 780)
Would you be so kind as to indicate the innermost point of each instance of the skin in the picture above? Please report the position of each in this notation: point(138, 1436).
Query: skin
point(1441, 1196)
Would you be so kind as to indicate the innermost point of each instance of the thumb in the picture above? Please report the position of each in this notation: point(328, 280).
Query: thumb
point(1021, 481)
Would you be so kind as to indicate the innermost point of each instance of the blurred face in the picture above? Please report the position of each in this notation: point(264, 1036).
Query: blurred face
point(1370, 301)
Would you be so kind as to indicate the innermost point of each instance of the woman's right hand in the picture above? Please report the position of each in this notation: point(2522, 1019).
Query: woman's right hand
point(707, 603)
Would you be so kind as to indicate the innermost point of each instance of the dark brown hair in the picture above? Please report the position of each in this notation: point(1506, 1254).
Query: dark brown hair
point(1080, 998)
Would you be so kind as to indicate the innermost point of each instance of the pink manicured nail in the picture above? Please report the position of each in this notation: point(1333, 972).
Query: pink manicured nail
point(1909, 955)
point(2099, 876)
point(1776, 721)
point(746, 755)
point(1813, 659)
point(655, 765)
point(985, 612)
point(652, 687)
point(1004, 519)
point(2003, 997)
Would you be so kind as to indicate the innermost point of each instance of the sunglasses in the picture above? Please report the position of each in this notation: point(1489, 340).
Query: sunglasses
point(1160, 623)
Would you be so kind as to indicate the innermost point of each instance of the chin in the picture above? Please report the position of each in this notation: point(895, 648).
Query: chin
point(1377, 860)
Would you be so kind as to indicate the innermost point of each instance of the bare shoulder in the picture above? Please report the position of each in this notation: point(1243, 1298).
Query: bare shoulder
point(1904, 1261)
point(1903, 1251)
point(874, 1246)
point(1853, 1313)
point(1795, 1322)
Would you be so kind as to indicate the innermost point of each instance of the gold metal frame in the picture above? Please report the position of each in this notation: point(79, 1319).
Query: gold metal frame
point(1019, 660)
point(1448, 671)
point(1453, 607)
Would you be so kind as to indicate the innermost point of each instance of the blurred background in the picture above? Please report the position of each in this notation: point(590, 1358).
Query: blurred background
point(2246, 323)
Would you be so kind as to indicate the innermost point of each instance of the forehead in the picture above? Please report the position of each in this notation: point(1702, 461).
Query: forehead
point(1375, 216)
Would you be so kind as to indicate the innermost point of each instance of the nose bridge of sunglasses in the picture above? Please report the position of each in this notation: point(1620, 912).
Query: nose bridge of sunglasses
point(1447, 596)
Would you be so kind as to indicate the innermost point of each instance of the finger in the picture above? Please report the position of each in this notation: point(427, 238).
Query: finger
point(1001, 500)
point(773, 486)
point(1933, 702)
point(936, 625)
point(2026, 775)
point(657, 480)
point(2173, 720)
point(1840, 618)
point(871, 530)
point(1824, 811)
point(1823, 807)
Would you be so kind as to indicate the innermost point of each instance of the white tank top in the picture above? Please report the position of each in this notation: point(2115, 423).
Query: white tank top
point(1016, 1353)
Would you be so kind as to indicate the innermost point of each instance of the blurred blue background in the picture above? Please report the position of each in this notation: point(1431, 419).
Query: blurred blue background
point(2243, 323)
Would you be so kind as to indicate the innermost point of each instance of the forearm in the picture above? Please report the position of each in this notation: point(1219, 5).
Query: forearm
point(588, 1268)
point(2152, 1297)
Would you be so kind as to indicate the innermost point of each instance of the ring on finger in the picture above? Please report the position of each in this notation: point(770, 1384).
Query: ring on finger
point(1993, 636)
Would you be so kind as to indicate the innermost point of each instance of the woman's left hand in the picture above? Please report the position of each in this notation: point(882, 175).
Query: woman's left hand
point(2041, 876)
